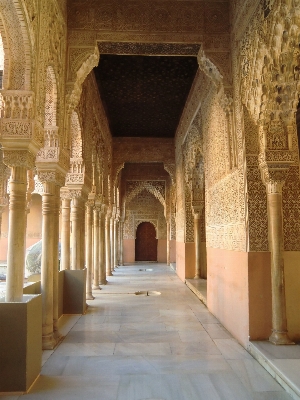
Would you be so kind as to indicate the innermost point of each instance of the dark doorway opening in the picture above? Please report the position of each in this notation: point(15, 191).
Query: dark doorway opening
point(145, 242)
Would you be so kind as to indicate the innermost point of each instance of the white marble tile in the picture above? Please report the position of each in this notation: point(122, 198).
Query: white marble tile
point(231, 349)
point(192, 348)
point(290, 369)
point(206, 318)
point(86, 349)
point(140, 349)
point(217, 331)
point(154, 387)
point(284, 352)
point(193, 336)
point(253, 376)
point(187, 364)
point(218, 386)
point(72, 388)
point(109, 327)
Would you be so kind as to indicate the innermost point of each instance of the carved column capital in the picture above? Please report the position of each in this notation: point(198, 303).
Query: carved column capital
point(197, 207)
point(18, 158)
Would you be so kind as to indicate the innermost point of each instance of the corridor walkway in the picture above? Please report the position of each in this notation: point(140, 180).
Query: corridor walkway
point(157, 347)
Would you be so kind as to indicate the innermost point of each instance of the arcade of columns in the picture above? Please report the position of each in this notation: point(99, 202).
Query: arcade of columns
point(232, 193)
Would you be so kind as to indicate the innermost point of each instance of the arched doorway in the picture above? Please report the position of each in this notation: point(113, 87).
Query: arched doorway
point(145, 242)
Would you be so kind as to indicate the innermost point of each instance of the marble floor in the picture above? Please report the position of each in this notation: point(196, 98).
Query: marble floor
point(157, 347)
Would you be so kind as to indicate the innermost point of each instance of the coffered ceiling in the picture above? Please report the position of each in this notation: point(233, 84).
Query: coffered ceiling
point(144, 96)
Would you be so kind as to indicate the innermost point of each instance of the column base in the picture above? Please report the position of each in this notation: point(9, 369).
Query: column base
point(280, 338)
point(48, 341)
point(197, 277)
point(89, 297)
point(104, 282)
point(96, 287)
point(109, 273)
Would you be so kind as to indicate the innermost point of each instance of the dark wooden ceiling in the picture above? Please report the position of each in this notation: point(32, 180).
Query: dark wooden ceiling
point(144, 96)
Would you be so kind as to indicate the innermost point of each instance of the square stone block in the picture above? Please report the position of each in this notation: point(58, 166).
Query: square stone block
point(20, 343)
point(74, 291)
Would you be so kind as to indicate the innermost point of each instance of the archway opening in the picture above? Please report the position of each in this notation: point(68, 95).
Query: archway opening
point(145, 242)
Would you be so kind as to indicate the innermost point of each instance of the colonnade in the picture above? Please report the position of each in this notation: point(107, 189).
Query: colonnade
point(89, 238)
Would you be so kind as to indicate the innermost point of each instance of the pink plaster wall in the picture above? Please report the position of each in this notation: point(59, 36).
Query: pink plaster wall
point(172, 250)
point(260, 297)
point(162, 250)
point(185, 260)
point(227, 290)
point(128, 250)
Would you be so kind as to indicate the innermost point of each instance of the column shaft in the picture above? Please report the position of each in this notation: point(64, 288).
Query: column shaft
point(47, 264)
point(107, 246)
point(96, 250)
point(197, 233)
point(112, 244)
point(89, 251)
point(121, 243)
point(102, 271)
point(116, 245)
point(65, 234)
point(16, 235)
point(279, 321)
point(168, 243)
point(76, 233)
point(56, 205)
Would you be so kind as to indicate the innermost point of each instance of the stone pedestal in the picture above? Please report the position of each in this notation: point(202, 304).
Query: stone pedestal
point(20, 343)
point(74, 292)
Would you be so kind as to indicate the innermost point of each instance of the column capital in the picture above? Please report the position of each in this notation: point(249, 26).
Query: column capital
point(18, 158)
point(197, 207)
point(52, 176)
point(65, 193)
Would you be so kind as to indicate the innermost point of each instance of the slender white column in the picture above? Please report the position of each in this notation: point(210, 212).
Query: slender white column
point(56, 206)
point(65, 233)
point(197, 234)
point(76, 213)
point(102, 271)
point(107, 245)
point(116, 244)
point(16, 235)
point(168, 243)
point(82, 236)
point(89, 250)
point(48, 212)
point(112, 244)
point(96, 249)
point(121, 242)
point(279, 321)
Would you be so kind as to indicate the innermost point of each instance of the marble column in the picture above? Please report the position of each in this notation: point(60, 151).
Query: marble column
point(112, 244)
point(47, 263)
point(121, 226)
point(107, 245)
point(197, 234)
point(116, 244)
point(89, 249)
point(56, 206)
point(279, 321)
point(96, 264)
point(77, 234)
point(102, 270)
point(16, 234)
point(65, 231)
point(168, 243)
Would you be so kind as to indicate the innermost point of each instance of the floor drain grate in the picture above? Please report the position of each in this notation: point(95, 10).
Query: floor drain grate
point(145, 269)
point(147, 293)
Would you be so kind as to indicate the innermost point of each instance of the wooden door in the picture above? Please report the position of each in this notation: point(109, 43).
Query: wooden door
point(145, 242)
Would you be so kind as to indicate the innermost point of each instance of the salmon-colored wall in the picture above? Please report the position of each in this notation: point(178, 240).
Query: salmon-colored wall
point(162, 250)
point(172, 251)
point(185, 260)
point(227, 290)
point(292, 279)
point(128, 250)
point(260, 296)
